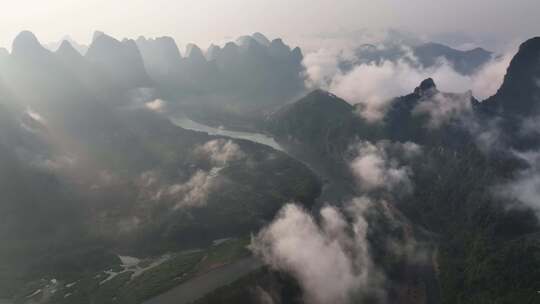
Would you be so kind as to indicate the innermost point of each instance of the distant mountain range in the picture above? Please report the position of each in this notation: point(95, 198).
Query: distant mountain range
point(253, 73)
point(422, 55)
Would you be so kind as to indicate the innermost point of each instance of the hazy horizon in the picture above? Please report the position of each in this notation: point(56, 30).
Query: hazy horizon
point(300, 22)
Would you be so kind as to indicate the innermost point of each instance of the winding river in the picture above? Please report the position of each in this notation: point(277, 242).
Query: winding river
point(188, 124)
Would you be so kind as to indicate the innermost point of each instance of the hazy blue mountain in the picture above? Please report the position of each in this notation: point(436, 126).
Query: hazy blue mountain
point(92, 77)
point(261, 39)
point(425, 55)
point(54, 46)
point(31, 65)
point(241, 79)
point(27, 45)
point(464, 62)
point(122, 61)
point(213, 52)
point(161, 55)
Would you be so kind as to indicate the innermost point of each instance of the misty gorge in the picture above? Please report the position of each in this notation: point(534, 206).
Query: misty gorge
point(270, 152)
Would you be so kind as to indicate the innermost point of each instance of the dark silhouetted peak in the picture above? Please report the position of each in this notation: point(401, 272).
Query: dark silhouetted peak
point(194, 53)
point(67, 50)
point(427, 86)
point(297, 55)
point(312, 117)
point(524, 68)
point(279, 44)
point(27, 43)
point(324, 101)
point(320, 94)
point(520, 91)
point(319, 102)
point(260, 38)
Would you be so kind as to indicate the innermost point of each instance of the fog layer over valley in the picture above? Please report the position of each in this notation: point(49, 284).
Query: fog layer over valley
point(394, 171)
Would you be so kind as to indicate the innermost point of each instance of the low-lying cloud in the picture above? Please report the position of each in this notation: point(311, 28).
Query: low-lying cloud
point(329, 258)
point(486, 81)
point(525, 187)
point(328, 252)
point(194, 192)
point(220, 151)
point(441, 108)
point(372, 86)
point(375, 169)
point(190, 193)
point(157, 105)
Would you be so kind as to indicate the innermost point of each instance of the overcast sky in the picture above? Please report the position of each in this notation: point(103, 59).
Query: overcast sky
point(202, 21)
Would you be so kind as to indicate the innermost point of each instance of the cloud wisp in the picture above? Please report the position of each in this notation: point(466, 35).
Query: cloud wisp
point(442, 108)
point(329, 258)
point(220, 152)
point(376, 169)
point(329, 252)
point(525, 187)
point(195, 190)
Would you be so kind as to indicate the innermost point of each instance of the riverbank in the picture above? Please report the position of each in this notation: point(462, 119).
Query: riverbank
point(201, 285)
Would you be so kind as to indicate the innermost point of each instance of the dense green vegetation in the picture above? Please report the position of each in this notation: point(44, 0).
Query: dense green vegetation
point(487, 245)
point(487, 253)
